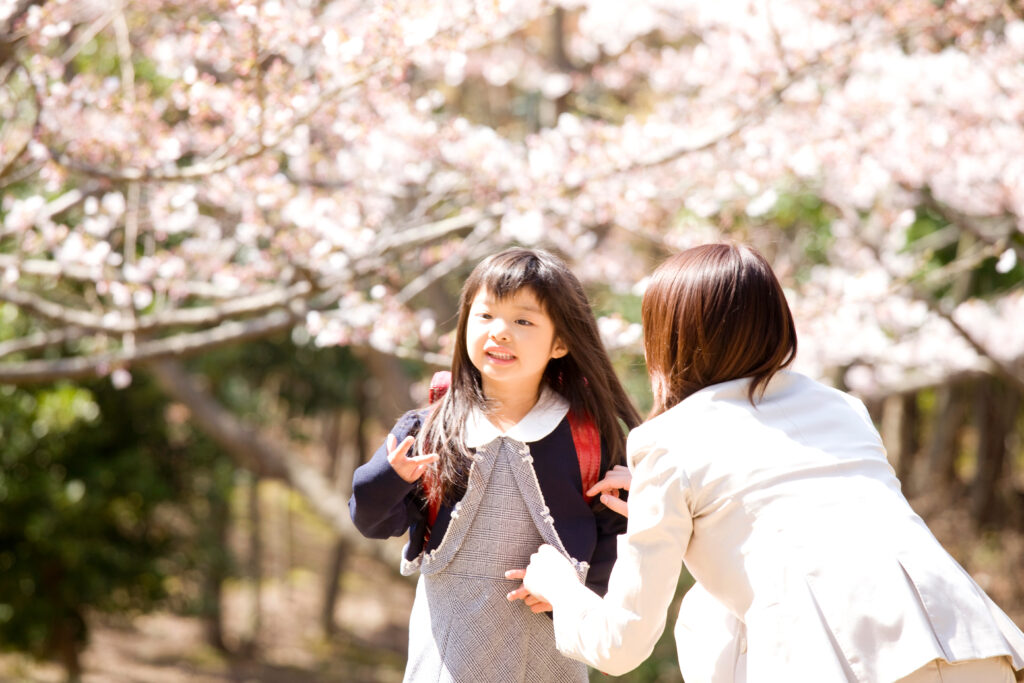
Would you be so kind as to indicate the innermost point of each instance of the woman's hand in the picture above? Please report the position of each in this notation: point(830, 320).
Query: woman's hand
point(548, 570)
point(536, 605)
point(409, 468)
point(618, 477)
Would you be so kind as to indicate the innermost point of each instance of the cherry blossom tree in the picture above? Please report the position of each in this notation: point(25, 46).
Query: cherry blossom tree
point(177, 176)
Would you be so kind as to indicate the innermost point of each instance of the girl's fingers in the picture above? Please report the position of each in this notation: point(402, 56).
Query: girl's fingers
point(406, 444)
point(542, 607)
point(515, 573)
point(422, 463)
point(398, 451)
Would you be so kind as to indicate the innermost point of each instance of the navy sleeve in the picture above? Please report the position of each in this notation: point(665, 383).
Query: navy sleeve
point(382, 503)
point(609, 525)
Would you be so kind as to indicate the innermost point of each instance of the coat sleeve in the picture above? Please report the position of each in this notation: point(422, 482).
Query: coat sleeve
point(615, 634)
point(382, 503)
point(610, 525)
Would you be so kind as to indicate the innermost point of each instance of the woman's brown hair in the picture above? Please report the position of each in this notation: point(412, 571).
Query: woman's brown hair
point(584, 376)
point(711, 314)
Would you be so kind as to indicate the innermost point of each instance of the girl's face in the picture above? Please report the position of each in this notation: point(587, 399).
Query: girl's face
point(510, 341)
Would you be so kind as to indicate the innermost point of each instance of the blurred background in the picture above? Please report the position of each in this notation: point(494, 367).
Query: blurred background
point(232, 234)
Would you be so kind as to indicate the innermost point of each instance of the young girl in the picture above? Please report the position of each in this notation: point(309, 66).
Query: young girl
point(496, 459)
point(775, 492)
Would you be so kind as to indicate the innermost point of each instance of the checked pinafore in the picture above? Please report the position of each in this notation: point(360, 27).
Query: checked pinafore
point(462, 628)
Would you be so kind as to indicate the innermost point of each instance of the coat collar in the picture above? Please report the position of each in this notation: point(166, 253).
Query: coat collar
point(542, 419)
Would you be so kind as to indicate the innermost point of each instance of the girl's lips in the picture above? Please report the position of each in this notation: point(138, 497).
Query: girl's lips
point(500, 356)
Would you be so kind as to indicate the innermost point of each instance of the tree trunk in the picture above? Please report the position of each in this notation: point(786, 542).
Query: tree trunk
point(899, 432)
point(248, 447)
point(68, 647)
point(559, 59)
point(332, 585)
point(339, 553)
point(942, 447)
point(255, 569)
point(332, 441)
point(996, 406)
point(260, 455)
point(388, 388)
point(216, 573)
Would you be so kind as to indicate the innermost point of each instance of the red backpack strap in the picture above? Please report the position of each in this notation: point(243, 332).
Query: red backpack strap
point(587, 441)
point(439, 385)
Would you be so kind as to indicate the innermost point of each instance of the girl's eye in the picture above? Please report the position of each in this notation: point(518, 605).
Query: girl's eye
point(485, 316)
point(523, 322)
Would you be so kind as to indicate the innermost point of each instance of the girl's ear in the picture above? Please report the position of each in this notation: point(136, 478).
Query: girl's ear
point(558, 349)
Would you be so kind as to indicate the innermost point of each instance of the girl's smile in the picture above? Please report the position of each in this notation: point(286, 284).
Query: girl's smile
point(499, 355)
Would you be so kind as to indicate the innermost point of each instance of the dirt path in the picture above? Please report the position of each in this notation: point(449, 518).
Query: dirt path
point(168, 648)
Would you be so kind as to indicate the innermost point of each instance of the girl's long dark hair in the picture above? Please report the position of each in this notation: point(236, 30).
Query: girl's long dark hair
point(584, 376)
point(711, 314)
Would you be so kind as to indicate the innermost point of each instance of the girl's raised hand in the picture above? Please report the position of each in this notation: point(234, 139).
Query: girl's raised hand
point(409, 468)
point(618, 477)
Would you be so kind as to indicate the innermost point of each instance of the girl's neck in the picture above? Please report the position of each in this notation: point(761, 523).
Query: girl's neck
point(506, 407)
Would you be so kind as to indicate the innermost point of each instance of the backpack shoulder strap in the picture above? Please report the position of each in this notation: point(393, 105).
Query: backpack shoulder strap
point(439, 384)
point(587, 441)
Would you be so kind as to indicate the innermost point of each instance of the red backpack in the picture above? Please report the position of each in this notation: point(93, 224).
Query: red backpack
point(585, 438)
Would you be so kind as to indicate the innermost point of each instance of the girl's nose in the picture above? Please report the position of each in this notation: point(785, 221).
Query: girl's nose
point(499, 331)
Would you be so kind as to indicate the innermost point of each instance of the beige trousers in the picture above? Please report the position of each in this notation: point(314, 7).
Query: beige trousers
point(992, 670)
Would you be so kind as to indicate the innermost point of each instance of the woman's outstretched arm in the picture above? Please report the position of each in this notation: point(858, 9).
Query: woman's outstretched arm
point(615, 634)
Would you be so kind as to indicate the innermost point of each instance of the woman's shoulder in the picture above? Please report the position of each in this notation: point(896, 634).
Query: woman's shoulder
point(714, 412)
point(690, 414)
point(681, 428)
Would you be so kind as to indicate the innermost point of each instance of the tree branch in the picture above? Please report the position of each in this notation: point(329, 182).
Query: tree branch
point(180, 345)
point(966, 223)
point(115, 323)
point(430, 231)
point(1004, 370)
point(40, 340)
point(472, 251)
point(918, 381)
point(247, 446)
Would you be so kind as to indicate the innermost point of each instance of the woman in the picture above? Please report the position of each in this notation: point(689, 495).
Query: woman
point(776, 493)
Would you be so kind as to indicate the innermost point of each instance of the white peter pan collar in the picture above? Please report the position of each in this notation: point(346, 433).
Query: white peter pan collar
point(542, 419)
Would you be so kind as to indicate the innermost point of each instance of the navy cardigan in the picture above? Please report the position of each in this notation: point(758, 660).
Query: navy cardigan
point(384, 505)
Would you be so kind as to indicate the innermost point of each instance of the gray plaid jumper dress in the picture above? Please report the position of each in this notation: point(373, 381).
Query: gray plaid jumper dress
point(462, 628)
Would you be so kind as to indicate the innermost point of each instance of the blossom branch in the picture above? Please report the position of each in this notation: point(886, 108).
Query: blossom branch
point(180, 345)
point(114, 323)
point(40, 340)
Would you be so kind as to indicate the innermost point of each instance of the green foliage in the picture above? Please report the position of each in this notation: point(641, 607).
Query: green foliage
point(942, 242)
point(805, 220)
point(99, 502)
point(78, 496)
point(809, 219)
point(307, 380)
point(988, 280)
